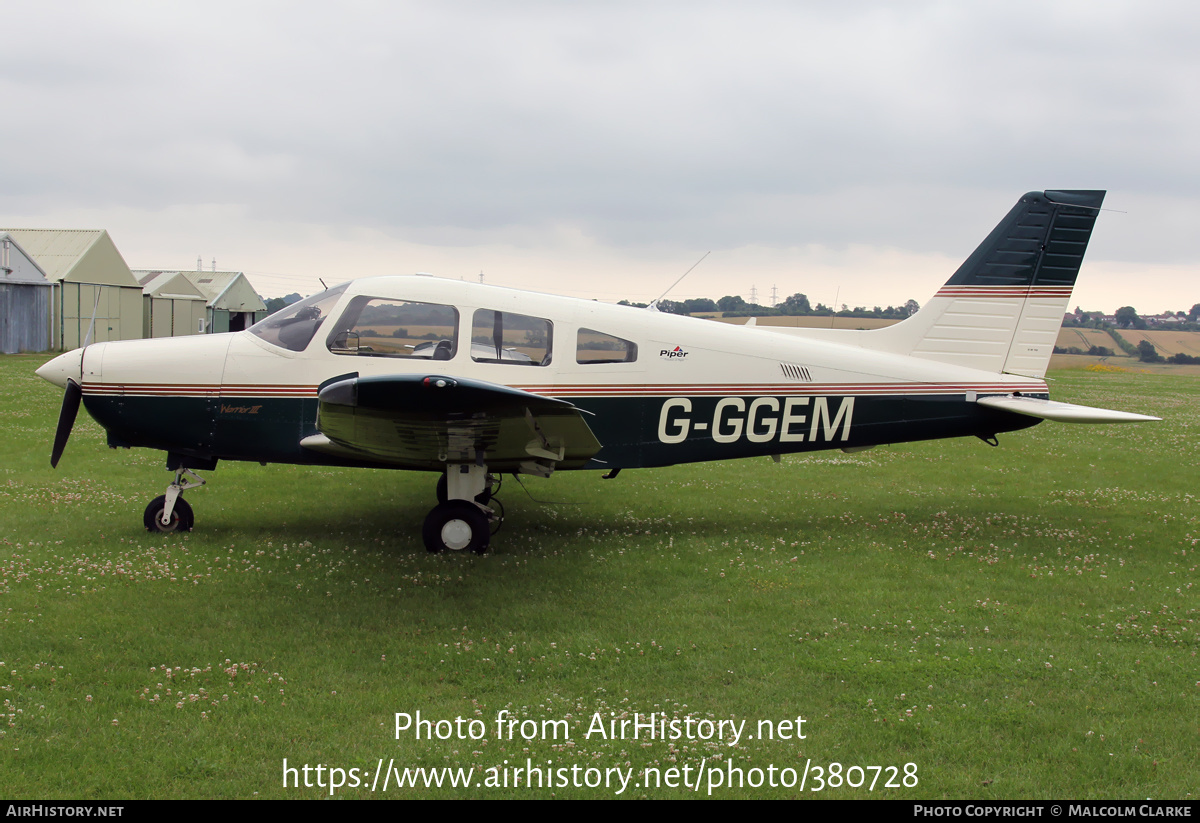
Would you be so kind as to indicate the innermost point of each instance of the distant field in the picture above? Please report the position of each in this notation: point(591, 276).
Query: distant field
point(1011, 622)
point(1166, 342)
point(1086, 338)
point(1120, 364)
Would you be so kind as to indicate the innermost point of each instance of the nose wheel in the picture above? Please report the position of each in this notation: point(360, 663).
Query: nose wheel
point(180, 519)
point(169, 512)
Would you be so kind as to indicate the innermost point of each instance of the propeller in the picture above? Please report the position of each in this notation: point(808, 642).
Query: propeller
point(66, 420)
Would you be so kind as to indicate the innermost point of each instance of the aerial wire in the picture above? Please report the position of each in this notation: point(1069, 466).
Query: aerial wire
point(654, 303)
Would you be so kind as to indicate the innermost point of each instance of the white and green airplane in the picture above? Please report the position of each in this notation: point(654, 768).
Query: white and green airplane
point(475, 381)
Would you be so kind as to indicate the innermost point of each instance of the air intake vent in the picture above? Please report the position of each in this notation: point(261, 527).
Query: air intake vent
point(795, 372)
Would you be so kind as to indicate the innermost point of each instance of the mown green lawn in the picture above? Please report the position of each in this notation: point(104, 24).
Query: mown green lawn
point(1018, 622)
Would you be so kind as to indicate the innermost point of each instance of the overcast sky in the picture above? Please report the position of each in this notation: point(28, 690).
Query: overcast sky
point(856, 152)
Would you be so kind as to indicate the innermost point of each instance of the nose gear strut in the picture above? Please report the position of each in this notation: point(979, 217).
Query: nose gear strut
point(170, 512)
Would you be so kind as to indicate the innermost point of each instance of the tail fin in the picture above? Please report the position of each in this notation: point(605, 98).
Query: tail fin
point(1002, 309)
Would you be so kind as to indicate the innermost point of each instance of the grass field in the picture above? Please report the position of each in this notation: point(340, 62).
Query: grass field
point(1018, 622)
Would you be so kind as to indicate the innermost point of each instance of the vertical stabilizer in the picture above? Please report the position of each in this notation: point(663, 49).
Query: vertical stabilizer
point(1001, 311)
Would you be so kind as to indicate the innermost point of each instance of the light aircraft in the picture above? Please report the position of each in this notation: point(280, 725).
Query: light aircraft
point(473, 381)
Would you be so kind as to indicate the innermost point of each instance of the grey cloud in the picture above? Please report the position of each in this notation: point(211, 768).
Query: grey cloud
point(697, 126)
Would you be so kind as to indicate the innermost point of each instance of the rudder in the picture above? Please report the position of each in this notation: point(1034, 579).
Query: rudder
point(1002, 309)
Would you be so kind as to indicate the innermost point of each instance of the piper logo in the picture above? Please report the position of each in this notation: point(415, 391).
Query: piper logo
point(675, 352)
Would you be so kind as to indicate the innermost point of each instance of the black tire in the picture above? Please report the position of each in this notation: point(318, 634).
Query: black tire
point(182, 518)
point(456, 525)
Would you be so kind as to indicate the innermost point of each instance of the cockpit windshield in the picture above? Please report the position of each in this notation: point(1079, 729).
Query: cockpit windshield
point(293, 327)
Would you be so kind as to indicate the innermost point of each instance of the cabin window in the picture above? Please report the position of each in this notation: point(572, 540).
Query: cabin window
point(593, 346)
point(378, 327)
point(293, 327)
point(505, 337)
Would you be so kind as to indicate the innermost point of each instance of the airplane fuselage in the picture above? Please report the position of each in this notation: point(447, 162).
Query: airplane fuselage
point(692, 390)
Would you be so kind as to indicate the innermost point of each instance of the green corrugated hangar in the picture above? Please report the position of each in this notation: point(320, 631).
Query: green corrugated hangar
point(173, 306)
point(93, 288)
point(232, 304)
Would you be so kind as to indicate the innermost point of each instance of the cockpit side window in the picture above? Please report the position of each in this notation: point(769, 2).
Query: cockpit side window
point(293, 327)
point(380, 327)
point(506, 337)
point(593, 346)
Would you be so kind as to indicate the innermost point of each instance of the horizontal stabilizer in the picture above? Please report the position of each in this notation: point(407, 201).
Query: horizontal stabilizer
point(1062, 412)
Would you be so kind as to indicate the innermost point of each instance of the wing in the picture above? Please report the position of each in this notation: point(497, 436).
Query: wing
point(1062, 412)
point(427, 421)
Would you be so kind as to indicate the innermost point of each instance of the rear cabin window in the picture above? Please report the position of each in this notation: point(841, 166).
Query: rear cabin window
point(593, 346)
point(506, 337)
point(379, 327)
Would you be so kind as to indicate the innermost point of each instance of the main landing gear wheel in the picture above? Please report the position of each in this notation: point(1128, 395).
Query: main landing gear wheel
point(182, 519)
point(456, 525)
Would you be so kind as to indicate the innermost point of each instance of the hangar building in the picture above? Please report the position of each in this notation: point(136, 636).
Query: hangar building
point(232, 304)
point(173, 305)
point(91, 285)
point(24, 300)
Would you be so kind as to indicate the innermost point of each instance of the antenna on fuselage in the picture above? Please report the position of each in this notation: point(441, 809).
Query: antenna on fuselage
point(322, 282)
point(654, 303)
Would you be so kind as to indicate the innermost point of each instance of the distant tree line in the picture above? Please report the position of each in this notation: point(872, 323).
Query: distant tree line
point(1127, 317)
point(733, 305)
point(1148, 354)
point(274, 304)
point(1092, 351)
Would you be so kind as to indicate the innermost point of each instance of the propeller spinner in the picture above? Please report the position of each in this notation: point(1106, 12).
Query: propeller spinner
point(66, 370)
